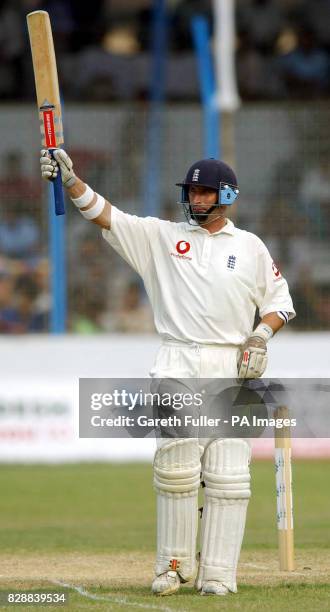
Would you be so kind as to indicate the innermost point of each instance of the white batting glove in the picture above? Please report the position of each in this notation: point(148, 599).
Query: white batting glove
point(252, 360)
point(50, 166)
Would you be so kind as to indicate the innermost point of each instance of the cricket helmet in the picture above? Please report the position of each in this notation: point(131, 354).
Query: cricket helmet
point(214, 174)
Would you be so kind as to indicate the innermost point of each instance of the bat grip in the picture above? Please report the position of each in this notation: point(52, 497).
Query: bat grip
point(58, 191)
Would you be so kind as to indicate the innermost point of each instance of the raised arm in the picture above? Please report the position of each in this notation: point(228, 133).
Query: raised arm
point(91, 205)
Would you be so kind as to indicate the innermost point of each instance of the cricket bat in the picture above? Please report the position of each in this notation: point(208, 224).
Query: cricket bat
point(48, 95)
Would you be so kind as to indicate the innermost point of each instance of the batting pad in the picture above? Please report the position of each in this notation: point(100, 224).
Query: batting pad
point(177, 478)
point(227, 491)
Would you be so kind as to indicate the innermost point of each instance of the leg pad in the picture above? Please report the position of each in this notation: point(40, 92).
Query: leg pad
point(227, 491)
point(176, 479)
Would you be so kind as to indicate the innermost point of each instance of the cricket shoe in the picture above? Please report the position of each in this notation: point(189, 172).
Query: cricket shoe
point(166, 583)
point(213, 587)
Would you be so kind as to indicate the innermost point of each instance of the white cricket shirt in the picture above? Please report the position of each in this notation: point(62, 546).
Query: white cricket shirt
point(203, 287)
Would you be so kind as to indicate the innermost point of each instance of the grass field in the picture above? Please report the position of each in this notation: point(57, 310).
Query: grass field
point(92, 527)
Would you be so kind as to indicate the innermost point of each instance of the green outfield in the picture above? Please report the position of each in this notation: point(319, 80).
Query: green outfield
point(92, 527)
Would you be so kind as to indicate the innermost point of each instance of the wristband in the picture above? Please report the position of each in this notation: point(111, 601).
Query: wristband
point(264, 331)
point(84, 199)
point(95, 210)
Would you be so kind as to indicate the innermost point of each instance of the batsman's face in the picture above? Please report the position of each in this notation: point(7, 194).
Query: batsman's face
point(202, 198)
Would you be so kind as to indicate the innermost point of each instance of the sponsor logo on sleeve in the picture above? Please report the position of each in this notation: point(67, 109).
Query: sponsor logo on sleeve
point(276, 272)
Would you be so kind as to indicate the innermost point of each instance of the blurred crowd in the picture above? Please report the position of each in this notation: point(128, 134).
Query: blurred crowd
point(103, 48)
point(296, 228)
point(23, 266)
point(103, 52)
point(104, 295)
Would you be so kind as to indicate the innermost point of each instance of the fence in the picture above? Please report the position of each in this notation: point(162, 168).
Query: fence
point(282, 161)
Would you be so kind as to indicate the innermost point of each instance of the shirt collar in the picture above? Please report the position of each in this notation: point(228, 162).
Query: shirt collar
point(229, 228)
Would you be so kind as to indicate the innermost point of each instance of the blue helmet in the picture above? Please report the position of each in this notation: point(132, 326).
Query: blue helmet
point(214, 174)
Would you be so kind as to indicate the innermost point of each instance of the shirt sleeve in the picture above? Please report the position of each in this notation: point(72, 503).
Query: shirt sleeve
point(131, 237)
point(272, 293)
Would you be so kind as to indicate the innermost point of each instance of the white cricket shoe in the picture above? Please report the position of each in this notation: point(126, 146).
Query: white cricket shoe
point(212, 587)
point(166, 583)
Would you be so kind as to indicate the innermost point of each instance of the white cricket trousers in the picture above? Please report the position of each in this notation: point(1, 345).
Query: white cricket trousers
point(225, 468)
point(183, 360)
point(178, 360)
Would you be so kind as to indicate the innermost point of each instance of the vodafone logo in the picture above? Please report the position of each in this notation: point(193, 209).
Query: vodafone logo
point(183, 247)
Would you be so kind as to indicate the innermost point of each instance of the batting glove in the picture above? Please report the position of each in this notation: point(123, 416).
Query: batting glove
point(252, 359)
point(50, 166)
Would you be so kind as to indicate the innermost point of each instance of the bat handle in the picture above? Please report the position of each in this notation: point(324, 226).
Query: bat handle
point(58, 192)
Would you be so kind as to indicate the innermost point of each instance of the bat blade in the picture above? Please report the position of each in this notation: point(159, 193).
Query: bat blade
point(47, 89)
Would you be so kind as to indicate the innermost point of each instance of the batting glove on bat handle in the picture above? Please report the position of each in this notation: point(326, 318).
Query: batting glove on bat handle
point(65, 166)
point(54, 162)
point(51, 172)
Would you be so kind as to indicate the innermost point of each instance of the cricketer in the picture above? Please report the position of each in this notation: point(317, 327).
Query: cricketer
point(205, 278)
